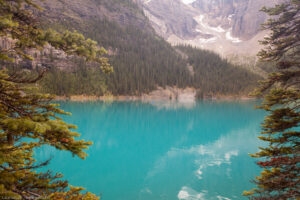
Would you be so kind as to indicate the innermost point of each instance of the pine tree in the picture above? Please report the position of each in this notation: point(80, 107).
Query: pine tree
point(29, 120)
point(280, 176)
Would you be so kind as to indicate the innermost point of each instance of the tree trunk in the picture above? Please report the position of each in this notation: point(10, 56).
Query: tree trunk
point(10, 139)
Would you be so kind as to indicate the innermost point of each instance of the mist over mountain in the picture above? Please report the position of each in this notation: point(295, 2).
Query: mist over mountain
point(224, 26)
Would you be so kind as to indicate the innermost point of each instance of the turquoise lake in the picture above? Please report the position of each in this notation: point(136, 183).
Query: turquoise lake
point(162, 151)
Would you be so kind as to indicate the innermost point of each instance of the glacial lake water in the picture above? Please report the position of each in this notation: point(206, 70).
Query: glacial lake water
point(162, 151)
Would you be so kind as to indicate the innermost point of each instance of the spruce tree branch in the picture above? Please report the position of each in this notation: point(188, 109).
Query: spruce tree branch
point(28, 167)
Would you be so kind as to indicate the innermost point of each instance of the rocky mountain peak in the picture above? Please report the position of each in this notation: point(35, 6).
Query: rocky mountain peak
point(225, 26)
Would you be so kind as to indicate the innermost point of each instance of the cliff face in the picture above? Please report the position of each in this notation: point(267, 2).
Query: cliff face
point(225, 26)
point(243, 16)
point(123, 12)
point(141, 59)
point(171, 17)
point(247, 17)
point(82, 15)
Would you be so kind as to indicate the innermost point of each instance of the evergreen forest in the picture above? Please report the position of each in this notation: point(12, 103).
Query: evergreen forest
point(142, 61)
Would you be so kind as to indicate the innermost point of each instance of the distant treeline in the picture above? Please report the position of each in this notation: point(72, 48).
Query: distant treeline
point(142, 61)
point(214, 75)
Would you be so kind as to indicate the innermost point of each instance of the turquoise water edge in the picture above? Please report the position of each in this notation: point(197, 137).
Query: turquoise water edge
point(162, 151)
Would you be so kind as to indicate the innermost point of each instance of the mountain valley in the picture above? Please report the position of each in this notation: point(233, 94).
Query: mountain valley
point(141, 39)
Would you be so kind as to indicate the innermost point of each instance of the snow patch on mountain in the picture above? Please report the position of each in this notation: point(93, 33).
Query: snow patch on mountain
point(203, 40)
point(232, 39)
point(187, 2)
point(226, 27)
point(200, 20)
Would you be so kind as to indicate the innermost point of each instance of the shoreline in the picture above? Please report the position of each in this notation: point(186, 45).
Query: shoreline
point(143, 98)
point(166, 94)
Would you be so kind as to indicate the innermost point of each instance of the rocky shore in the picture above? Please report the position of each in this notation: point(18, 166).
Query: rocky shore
point(173, 94)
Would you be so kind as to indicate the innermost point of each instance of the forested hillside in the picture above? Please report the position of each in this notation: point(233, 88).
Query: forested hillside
point(141, 59)
point(214, 75)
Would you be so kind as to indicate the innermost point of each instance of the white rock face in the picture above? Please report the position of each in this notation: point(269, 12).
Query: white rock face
point(224, 26)
point(232, 39)
point(171, 98)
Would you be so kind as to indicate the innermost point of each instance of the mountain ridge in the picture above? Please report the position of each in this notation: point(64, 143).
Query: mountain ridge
point(224, 26)
point(142, 60)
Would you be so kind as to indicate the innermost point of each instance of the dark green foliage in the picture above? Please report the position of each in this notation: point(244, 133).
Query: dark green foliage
point(83, 80)
point(281, 157)
point(267, 66)
point(214, 75)
point(142, 61)
point(28, 120)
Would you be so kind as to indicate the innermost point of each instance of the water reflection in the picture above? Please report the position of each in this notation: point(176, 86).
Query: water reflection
point(210, 163)
point(173, 105)
point(151, 152)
